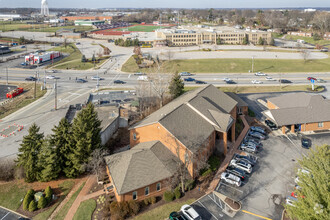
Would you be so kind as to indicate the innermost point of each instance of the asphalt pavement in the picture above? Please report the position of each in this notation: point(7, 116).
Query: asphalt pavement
point(8, 215)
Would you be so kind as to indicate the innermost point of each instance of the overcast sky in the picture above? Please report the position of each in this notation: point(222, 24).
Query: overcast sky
point(167, 3)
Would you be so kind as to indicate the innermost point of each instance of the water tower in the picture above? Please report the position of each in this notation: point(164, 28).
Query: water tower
point(44, 8)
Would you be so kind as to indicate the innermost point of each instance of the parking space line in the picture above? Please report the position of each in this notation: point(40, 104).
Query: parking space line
point(5, 216)
point(215, 202)
point(230, 187)
point(207, 210)
point(256, 215)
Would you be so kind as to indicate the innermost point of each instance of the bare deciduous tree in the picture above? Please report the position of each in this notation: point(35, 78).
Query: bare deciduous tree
point(97, 162)
point(169, 55)
point(305, 53)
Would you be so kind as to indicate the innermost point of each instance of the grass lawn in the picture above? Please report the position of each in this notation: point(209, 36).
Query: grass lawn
point(62, 213)
point(237, 65)
point(14, 26)
point(73, 61)
point(23, 99)
point(11, 195)
point(85, 210)
point(163, 211)
point(261, 89)
point(66, 187)
point(141, 28)
point(308, 40)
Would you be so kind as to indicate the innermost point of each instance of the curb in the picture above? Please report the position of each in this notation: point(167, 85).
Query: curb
point(14, 212)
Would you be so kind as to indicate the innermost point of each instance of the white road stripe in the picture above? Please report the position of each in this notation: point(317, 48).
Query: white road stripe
point(207, 210)
point(5, 216)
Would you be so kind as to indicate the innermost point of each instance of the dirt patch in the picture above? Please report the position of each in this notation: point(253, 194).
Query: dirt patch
point(233, 204)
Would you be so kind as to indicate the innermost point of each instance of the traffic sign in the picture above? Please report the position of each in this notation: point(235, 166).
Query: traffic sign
point(312, 81)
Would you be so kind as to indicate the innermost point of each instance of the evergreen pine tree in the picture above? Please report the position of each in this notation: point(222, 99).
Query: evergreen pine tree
point(93, 58)
point(61, 140)
point(176, 86)
point(42, 202)
point(28, 153)
point(32, 206)
point(86, 137)
point(48, 194)
point(48, 162)
point(83, 59)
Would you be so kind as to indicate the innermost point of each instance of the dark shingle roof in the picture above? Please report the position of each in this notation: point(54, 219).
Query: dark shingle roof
point(291, 100)
point(240, 102)
point(141, 166)
point(316, 110)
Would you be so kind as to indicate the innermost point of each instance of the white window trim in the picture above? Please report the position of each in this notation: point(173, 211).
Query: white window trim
point(145, 189)
point(160, 187)
point(320, 123)
point(135, 196)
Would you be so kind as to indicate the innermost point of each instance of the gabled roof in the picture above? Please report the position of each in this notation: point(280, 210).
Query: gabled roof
point(192, 117)
point(141, 166)
point(316, 110)
point(240, 102)
point(291, 100)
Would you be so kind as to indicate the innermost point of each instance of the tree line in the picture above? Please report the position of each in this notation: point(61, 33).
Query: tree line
point(127, 42)
point(66, 151)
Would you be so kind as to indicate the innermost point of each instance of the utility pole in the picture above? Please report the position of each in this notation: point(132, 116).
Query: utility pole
point(7, 74)
point(35, 88)
point(55, 87)
point(44, 80)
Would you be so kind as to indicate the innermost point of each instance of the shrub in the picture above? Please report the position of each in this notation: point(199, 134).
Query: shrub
point(177, 193)
point(189, 184)
point(42, 202)
point(251, 113)
point(168, 196)
point(153, 200)
point(214, 162)
point(134, 207)
point(32, 206)
point(146, 201)
point(115, 211)
point(207, 172)
point(124, 208)
point(48, 194)
point(28, 198)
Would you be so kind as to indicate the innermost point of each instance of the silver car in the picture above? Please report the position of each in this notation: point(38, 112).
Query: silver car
point(258, 129)
point(241, 165)
point(231, 179)
point(257, 135)
point(249, 148)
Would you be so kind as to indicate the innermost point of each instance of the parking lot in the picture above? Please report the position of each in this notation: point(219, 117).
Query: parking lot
point(4, 89)
point(6, 215)
point(272, 180)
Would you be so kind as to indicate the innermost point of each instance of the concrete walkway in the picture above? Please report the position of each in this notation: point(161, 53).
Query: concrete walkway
point(83, 195)
point(229, 156)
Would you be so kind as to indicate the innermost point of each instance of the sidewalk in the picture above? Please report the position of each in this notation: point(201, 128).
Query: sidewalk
point(229, 156)
point(83, 195)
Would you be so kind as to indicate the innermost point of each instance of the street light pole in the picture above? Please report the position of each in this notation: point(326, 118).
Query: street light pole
point(55, 87)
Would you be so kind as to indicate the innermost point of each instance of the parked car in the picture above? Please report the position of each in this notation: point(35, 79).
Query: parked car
point(81, 81)
point(270, 79)
point(176, 216)
point(271, 124)
point(200, 82)
point(237, 172)
point(119, 82)
point(311, 78)
point(253, 141)
point(230, 82)
point(185, 74)
point(249, 148)
point(251, 160)
point(31, 78)
point(241, 165)
point(189, 79)
point(24, 64)
point(321, 81)
point(190, 213)
point(258, 129)
point(257, 135)
point(260, 74)
point(306, 143)
point(231, 179)
point(284, 81)
point(256, 82)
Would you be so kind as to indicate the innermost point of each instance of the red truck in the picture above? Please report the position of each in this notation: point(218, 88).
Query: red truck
point(14, 93)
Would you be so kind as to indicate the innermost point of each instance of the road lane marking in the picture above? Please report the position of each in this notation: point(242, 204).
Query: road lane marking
point(256, 215)
point(5, 216)
point(208, 210)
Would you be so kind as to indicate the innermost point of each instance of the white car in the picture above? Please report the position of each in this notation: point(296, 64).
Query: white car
point(241, 165)
point(95, 78)
point(51, 71)
point(142, 78)
point(256, 82)
point(226, 79)
point(270, 79)
point(230, 178)
point(185, 74)
point(190, 213)
point(260, 74)
point(139, 74)
point(50, 77)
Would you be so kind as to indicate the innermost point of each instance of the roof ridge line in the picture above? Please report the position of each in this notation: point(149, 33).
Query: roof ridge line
point(202, 115)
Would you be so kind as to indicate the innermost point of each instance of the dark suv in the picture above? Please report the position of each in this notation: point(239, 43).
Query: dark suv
point(271, 124)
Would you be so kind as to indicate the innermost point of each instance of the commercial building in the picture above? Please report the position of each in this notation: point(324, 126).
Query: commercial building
point(198, 36)
point(95, 17)
point(300, 34)
point(88, 22)
point(185, 131)
point(299, 111)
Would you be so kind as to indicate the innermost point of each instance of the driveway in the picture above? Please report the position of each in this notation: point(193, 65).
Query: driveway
point(7, 215)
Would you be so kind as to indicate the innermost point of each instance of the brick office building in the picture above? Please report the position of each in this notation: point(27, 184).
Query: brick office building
point(190, 128)
point(300, 111)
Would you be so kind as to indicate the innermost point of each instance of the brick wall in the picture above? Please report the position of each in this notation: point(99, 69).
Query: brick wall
point(314, 126)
